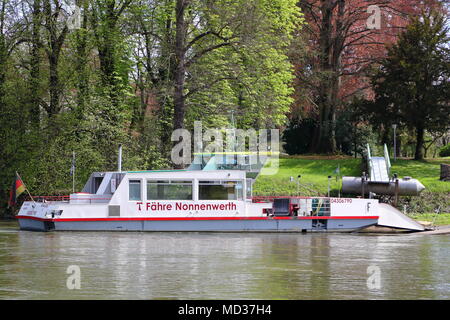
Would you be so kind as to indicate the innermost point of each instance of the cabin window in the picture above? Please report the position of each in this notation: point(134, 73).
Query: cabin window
point(249, 188)
point(169, 190)
point(135, 190)
point(220, 190)
point(97, 182)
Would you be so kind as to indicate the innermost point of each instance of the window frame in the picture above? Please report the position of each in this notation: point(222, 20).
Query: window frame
point(140, 189)
point(221, 182)
point(176, 181)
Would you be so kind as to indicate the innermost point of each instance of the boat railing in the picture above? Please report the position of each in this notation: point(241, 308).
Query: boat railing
point(60, 198)
point(303, 206)
point(90, 200)
point(69, 199)
point(256, 199)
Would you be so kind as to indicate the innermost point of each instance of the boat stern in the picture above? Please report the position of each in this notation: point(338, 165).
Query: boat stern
point(34, 216)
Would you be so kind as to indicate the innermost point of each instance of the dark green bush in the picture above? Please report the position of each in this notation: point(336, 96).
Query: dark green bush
point(445, 151)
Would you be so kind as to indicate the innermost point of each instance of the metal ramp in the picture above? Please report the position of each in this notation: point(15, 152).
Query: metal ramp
point(391, 217)
point(379, 167)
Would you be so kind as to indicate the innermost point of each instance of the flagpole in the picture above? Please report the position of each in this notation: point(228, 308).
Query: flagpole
point(338, 178)
point(73, 172)
point(73, 181)
point(25, 187)
point(339, 181)
point(340, 186)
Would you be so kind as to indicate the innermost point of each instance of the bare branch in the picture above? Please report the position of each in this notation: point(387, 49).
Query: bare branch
point(205, 51)
point(207, 86)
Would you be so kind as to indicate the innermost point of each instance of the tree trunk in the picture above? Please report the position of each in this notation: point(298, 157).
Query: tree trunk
point(385, 136)
point(330, 48)
point(105, 25)
point(180, 69)
point(81, 63)
point(54, 85)
point(2, 68)
point(3, 51)
point(398, 144)
point(419, 143)
point(54, 44)
point(180, 54)
point(35, 65)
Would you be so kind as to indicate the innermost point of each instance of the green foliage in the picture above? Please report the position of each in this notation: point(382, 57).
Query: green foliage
point(426, 202)
point(352, 134)
point(411, 85)
point(445, 151)
point(253, 76)
point(116, 82)
point(441, 219)
point(428, 172)
point(314, 171)
point(298, 136)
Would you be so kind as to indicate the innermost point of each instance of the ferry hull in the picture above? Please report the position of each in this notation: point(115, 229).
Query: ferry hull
point(35, 225)
point(196, 201)
point(321, 224)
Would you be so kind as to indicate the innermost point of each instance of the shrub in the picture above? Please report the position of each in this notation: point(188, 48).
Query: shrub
point(298, 136)
point(445, 151)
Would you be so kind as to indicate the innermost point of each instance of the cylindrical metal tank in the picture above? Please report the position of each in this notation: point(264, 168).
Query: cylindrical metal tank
point(406, 186)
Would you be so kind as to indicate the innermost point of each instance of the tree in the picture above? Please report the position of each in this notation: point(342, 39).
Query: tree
point(203, 59)
point(343, 45)
point(3, 50)
point(298, 128)
point(413, 81)
point(252, 78)
point(106, 20)
point(130, 72)
point(82, 36)
point(56, 32)
point(35, 64)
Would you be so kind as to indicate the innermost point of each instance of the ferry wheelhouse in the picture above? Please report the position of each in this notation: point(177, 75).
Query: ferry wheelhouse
point(196, 200)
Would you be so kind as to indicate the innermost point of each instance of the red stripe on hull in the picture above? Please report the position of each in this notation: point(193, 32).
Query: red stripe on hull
point(199, 218)
point(33, 218)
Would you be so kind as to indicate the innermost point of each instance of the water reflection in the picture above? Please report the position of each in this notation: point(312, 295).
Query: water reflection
point(221, 266)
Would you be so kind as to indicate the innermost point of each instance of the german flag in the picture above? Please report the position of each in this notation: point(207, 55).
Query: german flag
point(17, 189)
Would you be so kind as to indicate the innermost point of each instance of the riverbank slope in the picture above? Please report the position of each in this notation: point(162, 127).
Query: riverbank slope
point(314, 172)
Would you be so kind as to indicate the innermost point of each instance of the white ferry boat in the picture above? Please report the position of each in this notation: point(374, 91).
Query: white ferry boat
point(195, 200)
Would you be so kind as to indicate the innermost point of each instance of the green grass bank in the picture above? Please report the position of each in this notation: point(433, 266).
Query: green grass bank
point(314, 171)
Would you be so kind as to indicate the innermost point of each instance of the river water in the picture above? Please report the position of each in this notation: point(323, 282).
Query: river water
point(35, 265)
